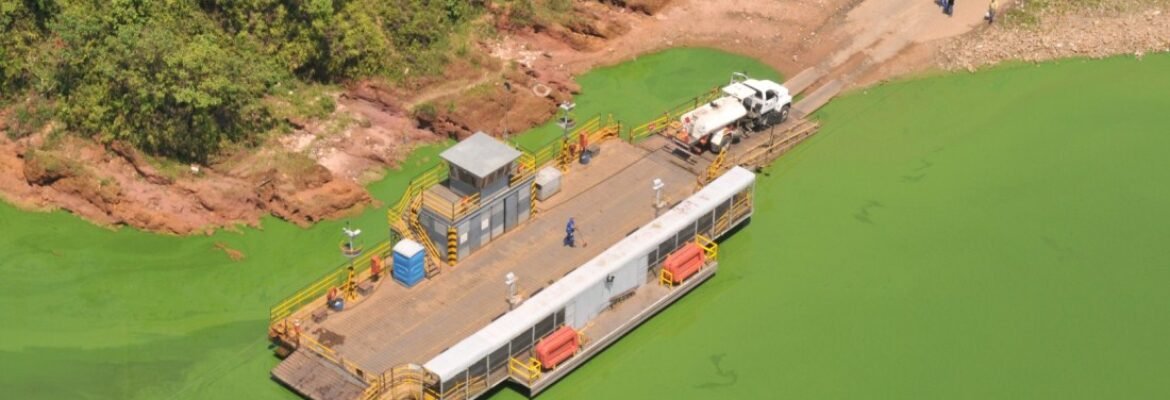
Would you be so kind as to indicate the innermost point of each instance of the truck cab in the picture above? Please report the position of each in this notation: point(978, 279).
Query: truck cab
point(766, 102)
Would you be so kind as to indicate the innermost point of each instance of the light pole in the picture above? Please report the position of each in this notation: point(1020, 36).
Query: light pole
point(566, 121)
point(658, 185)
point(510, 281)
point(351, 251)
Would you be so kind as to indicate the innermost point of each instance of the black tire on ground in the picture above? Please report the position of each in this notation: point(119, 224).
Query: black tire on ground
point(784, 113)
point(764, 122)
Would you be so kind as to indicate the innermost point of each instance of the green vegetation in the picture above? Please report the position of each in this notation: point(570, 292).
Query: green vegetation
point(538, 13)
point(180, 78)
point(28, 117)
point(1027, 13)
point(992, 235)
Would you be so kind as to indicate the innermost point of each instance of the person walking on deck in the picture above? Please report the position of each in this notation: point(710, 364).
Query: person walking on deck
point(570, 230)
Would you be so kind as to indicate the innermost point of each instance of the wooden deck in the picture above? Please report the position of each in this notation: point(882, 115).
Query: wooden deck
point(314, 377)
point(609, 198)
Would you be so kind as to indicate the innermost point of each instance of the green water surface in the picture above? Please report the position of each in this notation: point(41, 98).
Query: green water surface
point(990, 235)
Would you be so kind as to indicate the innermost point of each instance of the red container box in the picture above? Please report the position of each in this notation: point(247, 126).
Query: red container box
point(684, 262)
point(557, 347)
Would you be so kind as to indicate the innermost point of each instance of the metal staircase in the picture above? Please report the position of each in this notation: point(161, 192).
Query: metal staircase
point(434, 257)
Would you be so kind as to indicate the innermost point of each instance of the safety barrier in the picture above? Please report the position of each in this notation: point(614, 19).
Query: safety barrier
point(418, 234)
point(451, 210)
point(564, 150)
point(764, 152)
point(666, 278)
point(525, 168)
point(403, 381)
point(528, 372)
point(713, 169)
point(408, 381)
point(306, 342)
point(710, 248)
point(316, 290)
point(664, 121)
point(462, 390)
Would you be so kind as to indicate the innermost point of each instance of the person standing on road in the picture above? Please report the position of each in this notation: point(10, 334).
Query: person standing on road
point(570, 229)
point(991, 8)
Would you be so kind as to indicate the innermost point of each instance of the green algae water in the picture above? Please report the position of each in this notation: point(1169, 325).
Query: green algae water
point(972, 236)
point(992, 235)
point(87, 312)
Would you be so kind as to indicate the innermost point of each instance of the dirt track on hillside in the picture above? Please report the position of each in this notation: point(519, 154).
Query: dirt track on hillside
point(318, 170)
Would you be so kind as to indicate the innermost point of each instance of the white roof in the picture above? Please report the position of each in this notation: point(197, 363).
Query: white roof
point(748, 88)
point(480, 154)
point(739, 90)
point(459, 357)
point(407, 247)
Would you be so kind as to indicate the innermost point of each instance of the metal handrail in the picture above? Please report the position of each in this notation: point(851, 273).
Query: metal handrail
point(528, 371)
point(666, 278)
point(304, 341)
point(662, 122)
point(314, 291)
point(710, 248)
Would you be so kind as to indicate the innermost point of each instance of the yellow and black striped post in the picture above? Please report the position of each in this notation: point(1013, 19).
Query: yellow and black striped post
point(532, 202)
point(452, 246)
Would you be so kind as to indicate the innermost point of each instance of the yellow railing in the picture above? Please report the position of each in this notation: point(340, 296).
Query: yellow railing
point(710, 248)
point(664, 121)
point(528, 372)
point(419, 234)
point(474, 385)
point(743, 204)
point(546, 154)
point(448, 209)
point(666, 278)
point(713, 169)
point(320, 287)
point(651, 127)
point(410, 381)
point(306, 342)
point(525, 167)
point(417, 186)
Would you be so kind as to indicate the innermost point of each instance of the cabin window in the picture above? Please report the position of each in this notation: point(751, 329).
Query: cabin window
point(704, 223)
point(559, 317)
point(544, 327)
point(522, 343)
point(498, 358)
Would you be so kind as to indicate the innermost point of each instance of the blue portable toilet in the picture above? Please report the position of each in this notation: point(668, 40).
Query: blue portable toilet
point(409, 262)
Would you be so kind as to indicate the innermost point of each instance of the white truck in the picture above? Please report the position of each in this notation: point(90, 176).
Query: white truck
point(747, 105)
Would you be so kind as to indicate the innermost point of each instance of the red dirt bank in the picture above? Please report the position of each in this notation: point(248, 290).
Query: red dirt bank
point(317, 171)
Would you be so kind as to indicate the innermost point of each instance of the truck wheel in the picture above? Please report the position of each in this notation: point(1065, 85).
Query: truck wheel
point(784, 113)
point(763, 122)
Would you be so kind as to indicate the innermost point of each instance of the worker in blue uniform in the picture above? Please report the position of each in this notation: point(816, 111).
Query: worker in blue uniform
point(570, 229)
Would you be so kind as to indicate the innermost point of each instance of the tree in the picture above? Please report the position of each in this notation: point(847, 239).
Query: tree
point(180, 78)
